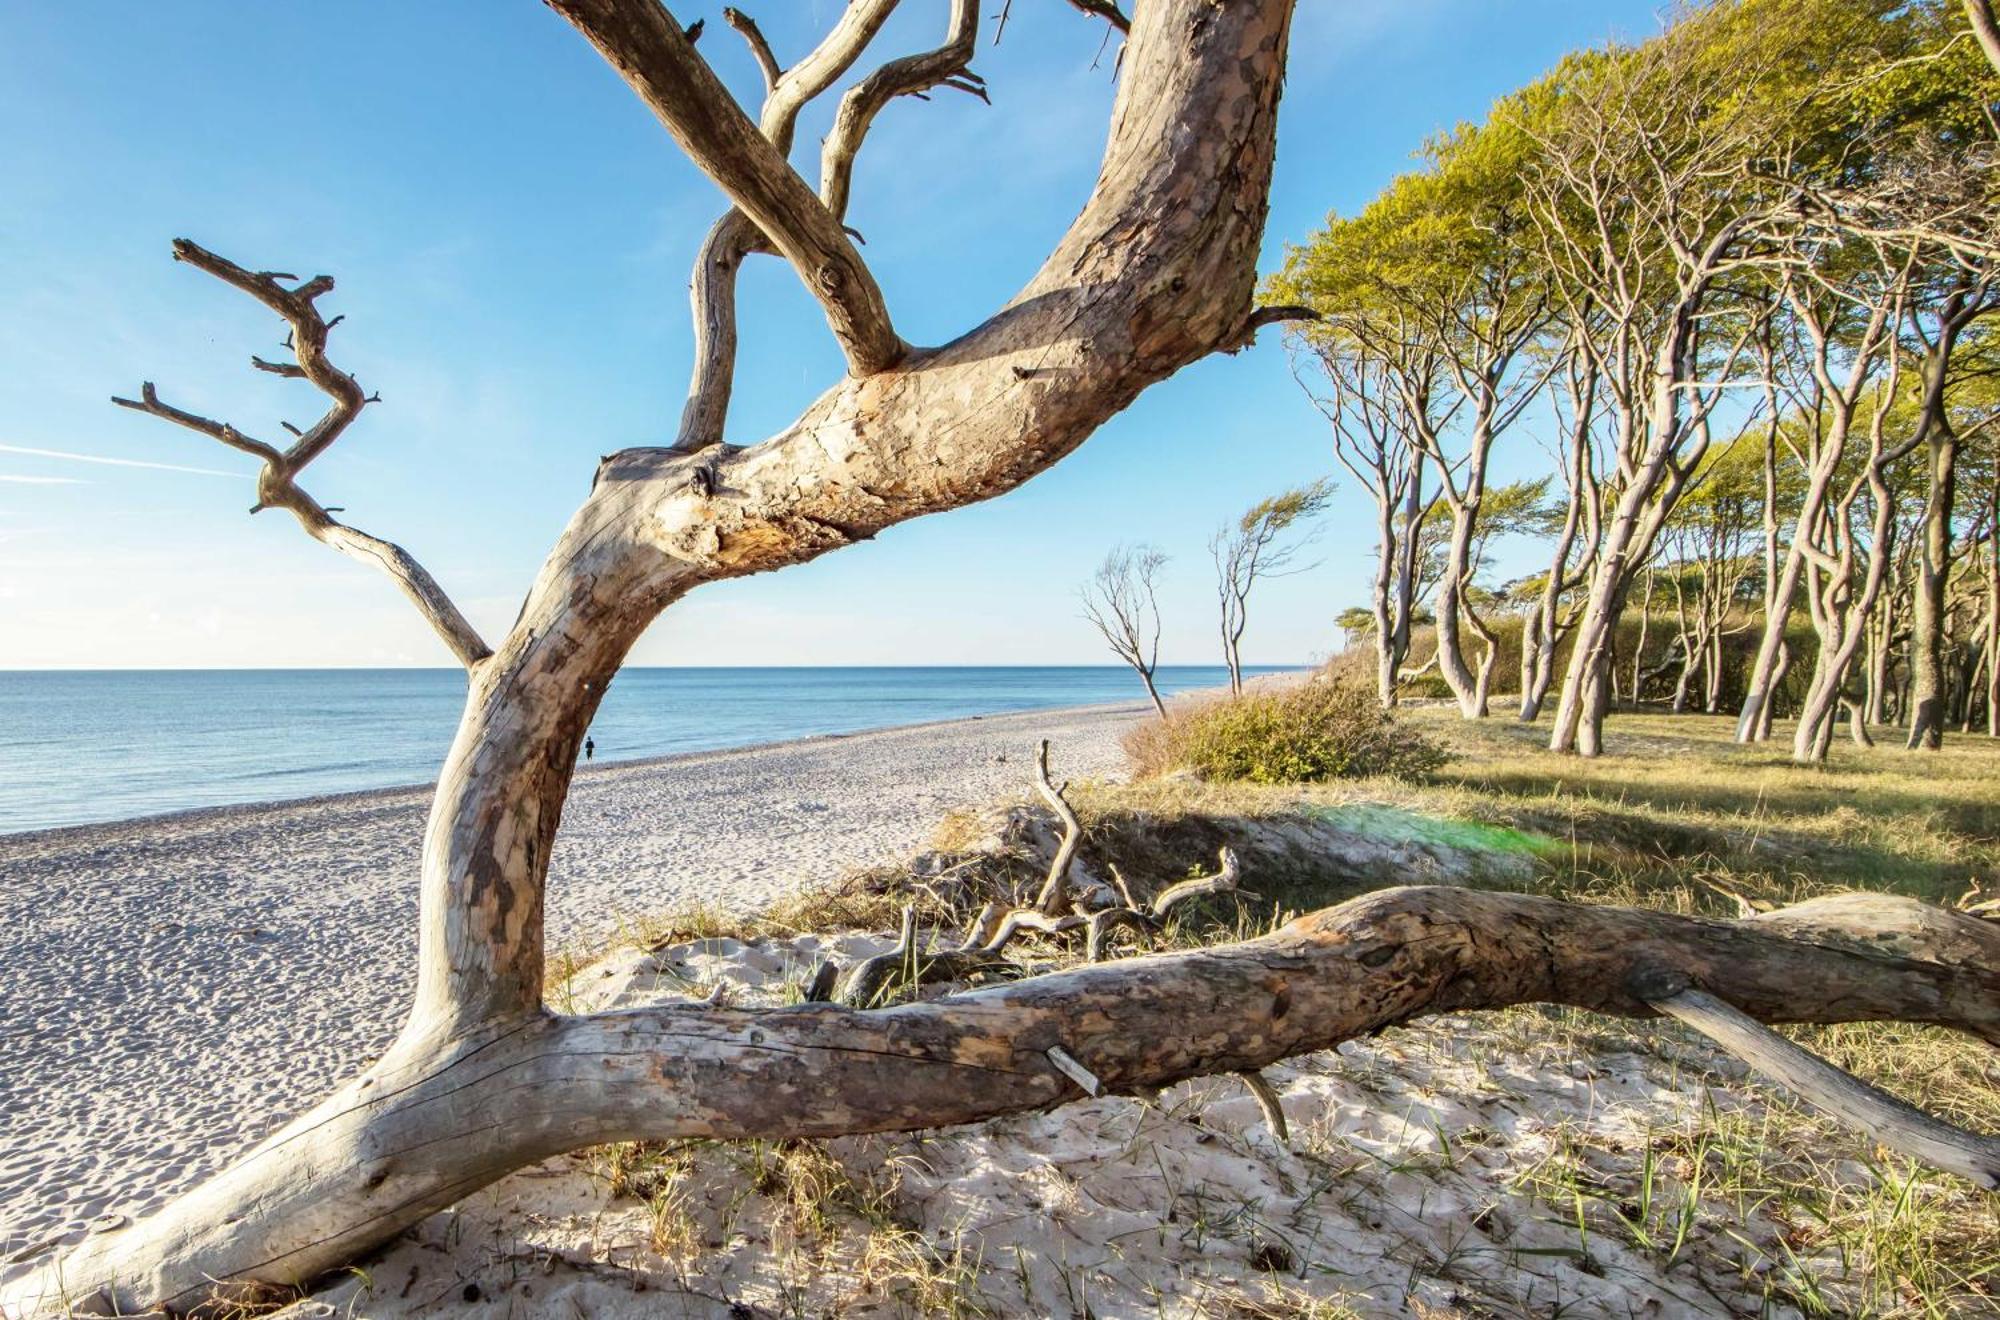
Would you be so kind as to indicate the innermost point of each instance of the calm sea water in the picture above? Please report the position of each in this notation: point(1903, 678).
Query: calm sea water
point(106, 745)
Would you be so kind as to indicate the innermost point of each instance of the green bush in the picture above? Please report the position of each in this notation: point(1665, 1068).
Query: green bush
point(1299, 734)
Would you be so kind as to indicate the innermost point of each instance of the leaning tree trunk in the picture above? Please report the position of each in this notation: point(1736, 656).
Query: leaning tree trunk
point(1158, 271)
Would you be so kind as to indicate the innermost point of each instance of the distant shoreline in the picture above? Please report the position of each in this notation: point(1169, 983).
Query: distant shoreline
point(98, 747)
point(390, 795)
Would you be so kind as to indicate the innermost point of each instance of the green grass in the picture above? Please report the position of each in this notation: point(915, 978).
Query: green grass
point(1746, 1186)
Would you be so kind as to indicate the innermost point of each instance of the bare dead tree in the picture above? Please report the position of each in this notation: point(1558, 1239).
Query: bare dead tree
point(1254, 547)
point(1121, 600)
point(1157, 272)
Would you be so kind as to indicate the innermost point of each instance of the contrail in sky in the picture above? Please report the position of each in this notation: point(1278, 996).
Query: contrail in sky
point(110, 462)
point(41, 481)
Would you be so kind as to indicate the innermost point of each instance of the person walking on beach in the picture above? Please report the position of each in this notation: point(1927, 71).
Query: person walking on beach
point(589, 749)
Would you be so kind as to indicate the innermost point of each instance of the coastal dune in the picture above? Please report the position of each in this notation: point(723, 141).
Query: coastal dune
point(177, 986)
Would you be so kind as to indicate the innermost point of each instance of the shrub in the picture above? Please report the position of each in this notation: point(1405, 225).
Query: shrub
point(1300, 734)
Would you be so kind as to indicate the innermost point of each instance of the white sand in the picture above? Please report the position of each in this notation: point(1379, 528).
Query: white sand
point(173, 988)
point(1406, 1189)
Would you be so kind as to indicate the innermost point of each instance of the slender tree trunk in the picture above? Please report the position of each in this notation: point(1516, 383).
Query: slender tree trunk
point(1380, 603)
point(1645, 626)
point(1753, 723)
point(1927, 617)
point(1769, 709)
point(1993, 613)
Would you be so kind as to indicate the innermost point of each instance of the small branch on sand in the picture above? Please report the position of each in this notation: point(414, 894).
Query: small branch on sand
point(1891, 1122)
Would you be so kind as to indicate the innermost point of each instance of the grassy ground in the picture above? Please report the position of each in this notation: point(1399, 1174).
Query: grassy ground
point(1677, 816)
point(1749, 1184)
point(1674, 796)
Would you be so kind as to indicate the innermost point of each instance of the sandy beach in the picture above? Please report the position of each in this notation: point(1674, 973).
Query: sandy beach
point(179, 985)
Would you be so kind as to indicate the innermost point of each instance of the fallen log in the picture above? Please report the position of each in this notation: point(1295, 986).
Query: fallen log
point(438, 1119)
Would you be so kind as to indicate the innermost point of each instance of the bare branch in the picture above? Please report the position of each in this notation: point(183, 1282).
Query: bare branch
point(712, 291)
point(1892, 1122)
point(908, 76)
point(760, 49)
point(799, 85)
point(1275, 315)
point(641, 40)
point(1056, 888)
point(277, 484)
point(149, 402)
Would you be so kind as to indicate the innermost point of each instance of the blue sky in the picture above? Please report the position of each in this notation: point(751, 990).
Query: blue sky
point(512, 232)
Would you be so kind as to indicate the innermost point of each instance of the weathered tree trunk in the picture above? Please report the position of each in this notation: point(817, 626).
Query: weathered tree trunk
point(1157, 272)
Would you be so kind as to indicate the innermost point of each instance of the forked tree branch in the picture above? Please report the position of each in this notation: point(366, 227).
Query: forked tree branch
point(1104, 9)
point(712, 290)
point(277, 483)
point(912, 75)
point(647, 47)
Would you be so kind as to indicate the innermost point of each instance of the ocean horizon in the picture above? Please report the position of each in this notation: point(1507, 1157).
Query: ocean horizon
point(85, 746)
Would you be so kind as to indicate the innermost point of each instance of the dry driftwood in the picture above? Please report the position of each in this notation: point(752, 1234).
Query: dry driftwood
point(1157, 271)
point(1054, 894)
point(1151, 917)
point(1892, 1122)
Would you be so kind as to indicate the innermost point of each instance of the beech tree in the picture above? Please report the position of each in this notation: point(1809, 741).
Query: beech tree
point(1156, 273)
point(1372, 438)
point(1435, 292)
point(1553, 612)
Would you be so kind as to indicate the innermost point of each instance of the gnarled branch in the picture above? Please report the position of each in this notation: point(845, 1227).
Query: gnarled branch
point(1055, 889)
point(647, 47)
point(712, 291)
point(277, 482)
point(1891, 1122)
point(908, 76)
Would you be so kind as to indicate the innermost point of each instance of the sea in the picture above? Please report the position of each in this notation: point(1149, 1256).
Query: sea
point(81, 746)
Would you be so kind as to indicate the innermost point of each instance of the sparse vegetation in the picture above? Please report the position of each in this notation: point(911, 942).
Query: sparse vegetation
point(1571, 1145)
point(1302, 734)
